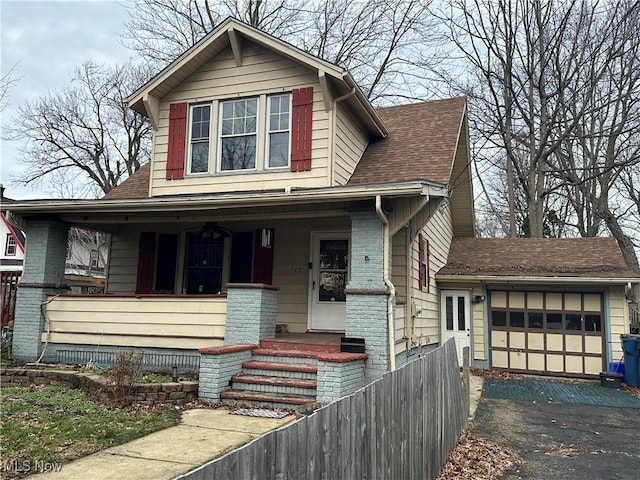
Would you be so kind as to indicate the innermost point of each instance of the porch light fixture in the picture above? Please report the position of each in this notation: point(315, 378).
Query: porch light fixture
point(212, 230)
point(478, 298)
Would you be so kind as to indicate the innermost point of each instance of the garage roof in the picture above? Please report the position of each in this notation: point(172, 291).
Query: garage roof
point(595, 258)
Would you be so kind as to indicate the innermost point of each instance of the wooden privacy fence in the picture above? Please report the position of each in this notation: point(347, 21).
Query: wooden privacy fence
point(399, 427)
point(9, 288)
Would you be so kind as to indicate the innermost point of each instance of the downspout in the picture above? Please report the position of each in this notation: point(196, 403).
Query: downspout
point(333, 127)
point(390, 286)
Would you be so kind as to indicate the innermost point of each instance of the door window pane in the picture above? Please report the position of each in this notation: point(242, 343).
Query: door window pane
point(332, 272)
point(449, 312)
point(332, 287)
point(462, 321)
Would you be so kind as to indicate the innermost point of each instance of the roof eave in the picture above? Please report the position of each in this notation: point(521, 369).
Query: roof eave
point(532, 279)
point(235, 199)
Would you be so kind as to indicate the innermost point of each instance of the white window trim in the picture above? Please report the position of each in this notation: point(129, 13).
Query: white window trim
point(219, 137)
point(11, 243)
point(189, 142)
point(268, 132)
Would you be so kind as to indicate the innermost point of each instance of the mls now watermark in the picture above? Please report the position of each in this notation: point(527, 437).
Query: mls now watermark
point(30, 466)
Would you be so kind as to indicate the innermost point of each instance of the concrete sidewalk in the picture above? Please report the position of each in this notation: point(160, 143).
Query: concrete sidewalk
point(202, 435)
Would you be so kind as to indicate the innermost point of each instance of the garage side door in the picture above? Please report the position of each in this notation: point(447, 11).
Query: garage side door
point(549, 333)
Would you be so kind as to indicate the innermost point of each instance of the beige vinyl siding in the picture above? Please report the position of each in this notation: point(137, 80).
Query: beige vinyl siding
point(164, 322)
point(123, 262)
point(478, 323)
point(618, 318)
point(439, 232)
point(399, 265)
point(462, 191)
point(399, 322)
point(262, 72)
point(350, 143)
point(291, 266)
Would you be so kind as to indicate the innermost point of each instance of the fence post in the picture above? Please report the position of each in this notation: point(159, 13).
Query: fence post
point(466, 378)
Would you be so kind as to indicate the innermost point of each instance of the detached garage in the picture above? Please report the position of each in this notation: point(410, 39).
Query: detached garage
point(541, 306)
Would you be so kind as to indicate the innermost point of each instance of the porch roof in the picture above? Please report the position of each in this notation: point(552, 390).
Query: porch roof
point(531, 260)
point(198, 204)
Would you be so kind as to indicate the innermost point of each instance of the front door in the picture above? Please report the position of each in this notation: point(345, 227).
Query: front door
point(329, 277)
point(455, 318)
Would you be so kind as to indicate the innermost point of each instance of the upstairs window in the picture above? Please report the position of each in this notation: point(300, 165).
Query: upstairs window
point(11, 247)
point(94, 259)
point(199, 139)
point(238, 137)
point(278, 134)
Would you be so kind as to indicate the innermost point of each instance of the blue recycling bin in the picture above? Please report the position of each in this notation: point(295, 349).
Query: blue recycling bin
point(631, 348)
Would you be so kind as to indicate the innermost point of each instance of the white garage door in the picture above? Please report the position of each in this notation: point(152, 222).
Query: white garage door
point(553, 333)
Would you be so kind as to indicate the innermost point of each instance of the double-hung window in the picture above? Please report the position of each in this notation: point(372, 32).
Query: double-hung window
point(11, 248)
point(279, 127)
point(199, 139)
point(238, 134)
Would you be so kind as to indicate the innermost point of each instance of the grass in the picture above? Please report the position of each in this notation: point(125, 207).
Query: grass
point(55, 424)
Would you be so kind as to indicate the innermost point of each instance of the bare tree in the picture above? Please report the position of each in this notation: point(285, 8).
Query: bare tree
point(86, 130)
point(7, 81)
point(392, 47)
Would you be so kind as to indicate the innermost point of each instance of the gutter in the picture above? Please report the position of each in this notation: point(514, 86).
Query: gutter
point(387, 281)
point(513, 279)
point(230, 200)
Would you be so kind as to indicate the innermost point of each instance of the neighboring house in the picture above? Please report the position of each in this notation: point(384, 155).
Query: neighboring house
point(12, 243)
point(277, 195)
point(87, 254)
point(11, 263)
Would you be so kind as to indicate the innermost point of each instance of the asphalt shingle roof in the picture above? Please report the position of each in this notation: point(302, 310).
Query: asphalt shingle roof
point(421, 144)
point(537, 257)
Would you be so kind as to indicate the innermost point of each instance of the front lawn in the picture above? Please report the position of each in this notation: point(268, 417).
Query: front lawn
point(46, 425)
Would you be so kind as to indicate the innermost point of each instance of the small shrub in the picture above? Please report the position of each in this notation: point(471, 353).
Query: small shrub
point(92, 367)
point(124, 375)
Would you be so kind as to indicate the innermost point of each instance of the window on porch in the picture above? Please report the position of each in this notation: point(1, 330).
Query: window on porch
point(202, 262)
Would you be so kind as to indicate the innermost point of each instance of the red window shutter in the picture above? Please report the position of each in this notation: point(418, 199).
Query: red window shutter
point(146, 262)
point(263, 256)
point(420, 261)
point(426, 263)
point(177, 140)
point(301, 127)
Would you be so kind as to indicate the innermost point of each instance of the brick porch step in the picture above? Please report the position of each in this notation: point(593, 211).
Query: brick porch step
point(299, 346)
point(275, 381)
point(275, 352)
point(278, 366)
point(258, 398)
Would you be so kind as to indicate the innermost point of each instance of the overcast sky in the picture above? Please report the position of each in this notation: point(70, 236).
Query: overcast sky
point(47, 40)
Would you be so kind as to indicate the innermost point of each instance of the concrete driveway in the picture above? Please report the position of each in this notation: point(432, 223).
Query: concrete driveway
point(562, 439)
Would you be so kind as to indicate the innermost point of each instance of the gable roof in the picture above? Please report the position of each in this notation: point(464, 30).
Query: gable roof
point(219, 39)
point(537, 257)
point(421, 144)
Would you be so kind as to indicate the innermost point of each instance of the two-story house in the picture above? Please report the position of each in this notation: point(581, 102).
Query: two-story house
point(278, 198)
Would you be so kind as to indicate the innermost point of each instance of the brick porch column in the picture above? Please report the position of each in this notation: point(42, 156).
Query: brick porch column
point(366, 315)
point(45, 256)
point(251, 313)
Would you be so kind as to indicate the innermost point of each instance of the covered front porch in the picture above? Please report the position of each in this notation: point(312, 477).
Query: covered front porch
point(187, 273)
